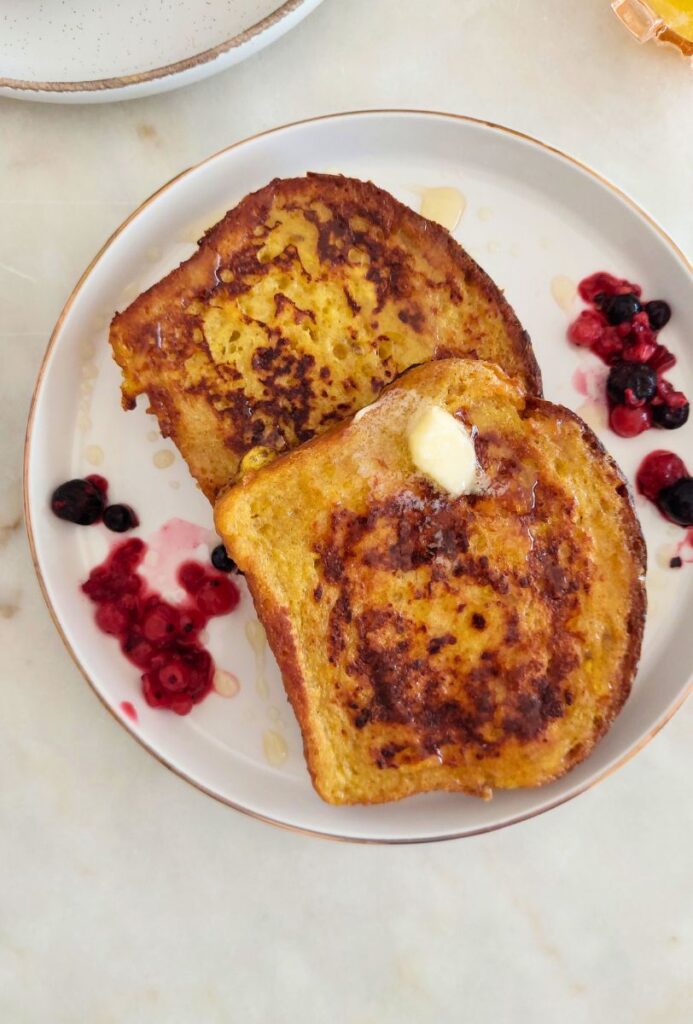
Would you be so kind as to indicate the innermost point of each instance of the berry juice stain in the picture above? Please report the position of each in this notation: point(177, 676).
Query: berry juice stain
point(161, 638)
point(129, 710)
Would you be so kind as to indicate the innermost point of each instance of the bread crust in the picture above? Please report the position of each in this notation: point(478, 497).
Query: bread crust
point(282, 383)
point(533, 746)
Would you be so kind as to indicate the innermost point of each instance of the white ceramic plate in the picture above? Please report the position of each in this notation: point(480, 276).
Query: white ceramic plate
point(532, 215)
point(85, 52)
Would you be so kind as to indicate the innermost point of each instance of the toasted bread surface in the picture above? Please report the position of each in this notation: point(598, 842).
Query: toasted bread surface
point(427, 642)
point(296, 310)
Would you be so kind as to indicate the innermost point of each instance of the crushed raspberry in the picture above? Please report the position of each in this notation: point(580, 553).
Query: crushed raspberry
point(641, 352)
point(587, 329)
point(629, 422)
point(662, 359)
point(676, 400)
point(623, 332)
point(160, 638)
point(605, 285)
point(658, 470)
point(191, 576)
point(609, 347)
point(217, 596)
point(100, 482)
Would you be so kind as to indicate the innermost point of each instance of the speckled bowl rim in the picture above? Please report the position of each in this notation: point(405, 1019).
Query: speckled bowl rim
point(365, 840)
point(167, 70)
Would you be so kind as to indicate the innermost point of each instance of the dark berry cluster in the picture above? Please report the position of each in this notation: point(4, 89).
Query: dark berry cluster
point(623, 331)
point(664, 479)
point(86, 501)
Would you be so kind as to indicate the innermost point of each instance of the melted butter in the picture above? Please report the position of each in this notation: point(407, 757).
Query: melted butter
point(443, 450)
point(594, 414)
point(128, 294)
point(153, 435)
point(443, 205)
point(563, 292)
point(226, 684)
point(163, 459)
point(94, 455)
point(257, 638)
point(274, 746)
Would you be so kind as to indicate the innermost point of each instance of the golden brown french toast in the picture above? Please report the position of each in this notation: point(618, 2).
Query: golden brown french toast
point(435, 643)
point(296, 310)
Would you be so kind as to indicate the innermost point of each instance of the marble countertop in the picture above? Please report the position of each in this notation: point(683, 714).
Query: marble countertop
point(126, 895)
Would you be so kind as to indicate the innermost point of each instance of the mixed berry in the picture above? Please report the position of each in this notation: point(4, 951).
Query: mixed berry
point(221, 560)
point(622, 331)
point(119, 518)
point(78, 501)
point(85, 502)
point(160, 638)
point(664, 479)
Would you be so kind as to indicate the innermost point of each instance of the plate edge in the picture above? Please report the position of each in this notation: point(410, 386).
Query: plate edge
point(100, 85)
point(366, 840)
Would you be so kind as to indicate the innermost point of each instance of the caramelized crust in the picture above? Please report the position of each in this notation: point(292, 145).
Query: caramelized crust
point(435, 643)
point(296, 310)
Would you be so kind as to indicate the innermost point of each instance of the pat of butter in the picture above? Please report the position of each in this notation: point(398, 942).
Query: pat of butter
point(442, 448)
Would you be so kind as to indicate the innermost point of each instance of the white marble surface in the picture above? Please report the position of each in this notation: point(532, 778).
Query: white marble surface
point(127, 896)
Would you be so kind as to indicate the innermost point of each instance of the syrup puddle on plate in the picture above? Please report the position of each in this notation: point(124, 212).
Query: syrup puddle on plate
point(163, 459)
point(563, 292)
point(274, 746)
point(225, 683)
point(444, 205)
point(257, 638)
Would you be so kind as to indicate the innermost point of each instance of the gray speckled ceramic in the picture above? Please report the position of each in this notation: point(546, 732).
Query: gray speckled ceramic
point(82, 51)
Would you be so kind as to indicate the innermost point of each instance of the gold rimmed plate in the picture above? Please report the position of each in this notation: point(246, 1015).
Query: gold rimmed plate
point(537, 221)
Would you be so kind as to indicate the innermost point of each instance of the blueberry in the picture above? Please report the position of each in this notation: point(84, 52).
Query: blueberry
point(636, 377)
point(119, 518)
point(670, 416)
point(676, 501)
point(78, 501)
point(658, 313)
point(621, 307)
point(221, 560)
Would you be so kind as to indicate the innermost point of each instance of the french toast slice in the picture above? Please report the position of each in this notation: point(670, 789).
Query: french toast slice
point(435, 643)
point(298, 307)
